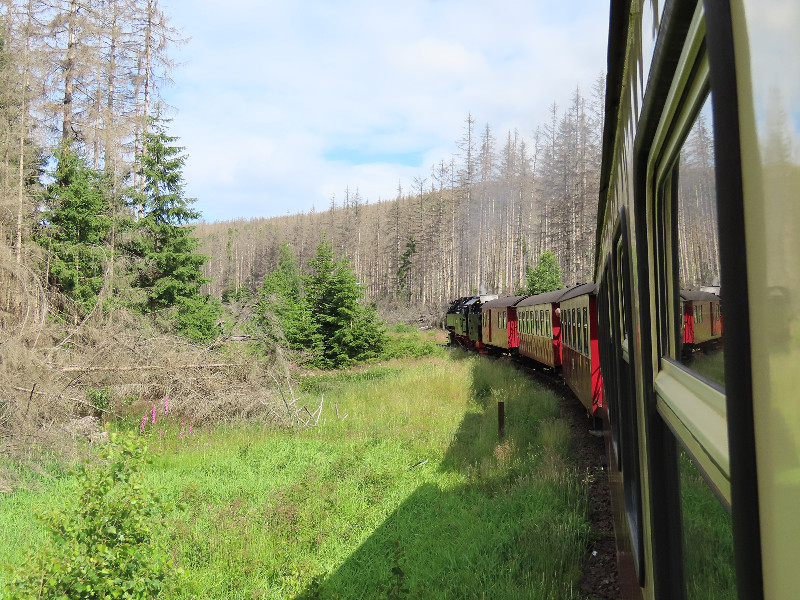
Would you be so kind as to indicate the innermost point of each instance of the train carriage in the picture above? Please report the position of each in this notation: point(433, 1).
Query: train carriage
point(702, 317)
point(540, 328)
point(499, 323)
point(579, 353)
point(699, 181)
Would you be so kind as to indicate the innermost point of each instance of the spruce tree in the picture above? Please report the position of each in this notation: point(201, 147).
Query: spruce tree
point(546, 277)
point(345, 331)
point(76, 228)
point(170, 271)
point(281, 302)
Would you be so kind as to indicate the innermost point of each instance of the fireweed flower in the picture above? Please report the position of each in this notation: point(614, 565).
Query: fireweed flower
point(144, 422)
point(153, 414)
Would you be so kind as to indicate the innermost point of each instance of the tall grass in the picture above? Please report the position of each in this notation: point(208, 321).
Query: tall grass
point(402, 490)
point(708, 538)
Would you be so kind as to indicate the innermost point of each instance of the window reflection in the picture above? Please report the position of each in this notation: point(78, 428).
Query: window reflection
point(707, 538)
point(700, 311)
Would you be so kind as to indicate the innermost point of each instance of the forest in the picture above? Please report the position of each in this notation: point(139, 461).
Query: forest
point(475, 222)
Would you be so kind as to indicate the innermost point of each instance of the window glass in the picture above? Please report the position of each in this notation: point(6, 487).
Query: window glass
point(698, 248)
point(579, 327)
point(569, 327)
point(707, 538)
point(573, 335)
point(549, 329)
point(586, 331)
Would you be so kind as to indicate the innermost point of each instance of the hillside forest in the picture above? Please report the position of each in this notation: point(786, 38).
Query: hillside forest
point(475, 222)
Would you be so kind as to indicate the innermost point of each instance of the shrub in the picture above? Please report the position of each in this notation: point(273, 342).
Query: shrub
point(102, 547)
point(197, 318)
point(408, 345)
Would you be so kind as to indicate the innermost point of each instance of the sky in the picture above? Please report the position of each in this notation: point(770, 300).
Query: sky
point(284, 105)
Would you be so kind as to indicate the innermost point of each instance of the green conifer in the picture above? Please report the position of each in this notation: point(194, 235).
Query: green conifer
point(170, 270)
point(546, 277)
point(345, 331)
point(75, 229)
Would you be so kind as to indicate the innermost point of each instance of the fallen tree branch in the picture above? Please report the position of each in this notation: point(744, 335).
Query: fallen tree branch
point(78, 400)
point(319, 410)
point(73, 368)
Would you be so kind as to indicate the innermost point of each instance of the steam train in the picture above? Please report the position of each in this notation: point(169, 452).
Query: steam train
point(699, 184)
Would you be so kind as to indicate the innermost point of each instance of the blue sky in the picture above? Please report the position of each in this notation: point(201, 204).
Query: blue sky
point(283, 105)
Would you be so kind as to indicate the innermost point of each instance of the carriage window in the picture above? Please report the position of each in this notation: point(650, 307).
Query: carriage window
point(585, 331)
point(573, 335)
point(698, 248)
point(690, 382)
point(549, 329)
point(579, 326)
point(710, 574)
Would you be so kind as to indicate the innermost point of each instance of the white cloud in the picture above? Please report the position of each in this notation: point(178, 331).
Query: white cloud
point(268, 89)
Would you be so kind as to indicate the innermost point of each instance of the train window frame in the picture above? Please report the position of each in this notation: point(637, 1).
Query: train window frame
point(573, 336)
point(586, 331)
point(693, 407)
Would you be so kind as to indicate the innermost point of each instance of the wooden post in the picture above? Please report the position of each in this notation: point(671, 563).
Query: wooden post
point(501, 419)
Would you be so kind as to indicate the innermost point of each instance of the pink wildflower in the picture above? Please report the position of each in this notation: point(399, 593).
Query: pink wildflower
point(153, 414)
point(144, 422)
point(166, 404)
point(190, 430)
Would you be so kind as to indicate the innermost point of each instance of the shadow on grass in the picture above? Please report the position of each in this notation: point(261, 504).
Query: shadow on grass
point(514, 528)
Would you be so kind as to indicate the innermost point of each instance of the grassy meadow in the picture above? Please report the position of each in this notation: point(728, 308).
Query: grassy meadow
point(402, 490)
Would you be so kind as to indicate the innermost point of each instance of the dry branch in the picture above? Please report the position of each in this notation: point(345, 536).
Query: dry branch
point(78, 400)
point(74, 368)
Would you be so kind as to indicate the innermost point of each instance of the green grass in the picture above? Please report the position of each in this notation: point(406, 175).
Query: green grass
point(404, 341)
point(411, 495)
point(710, 365)
point(708, 538)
